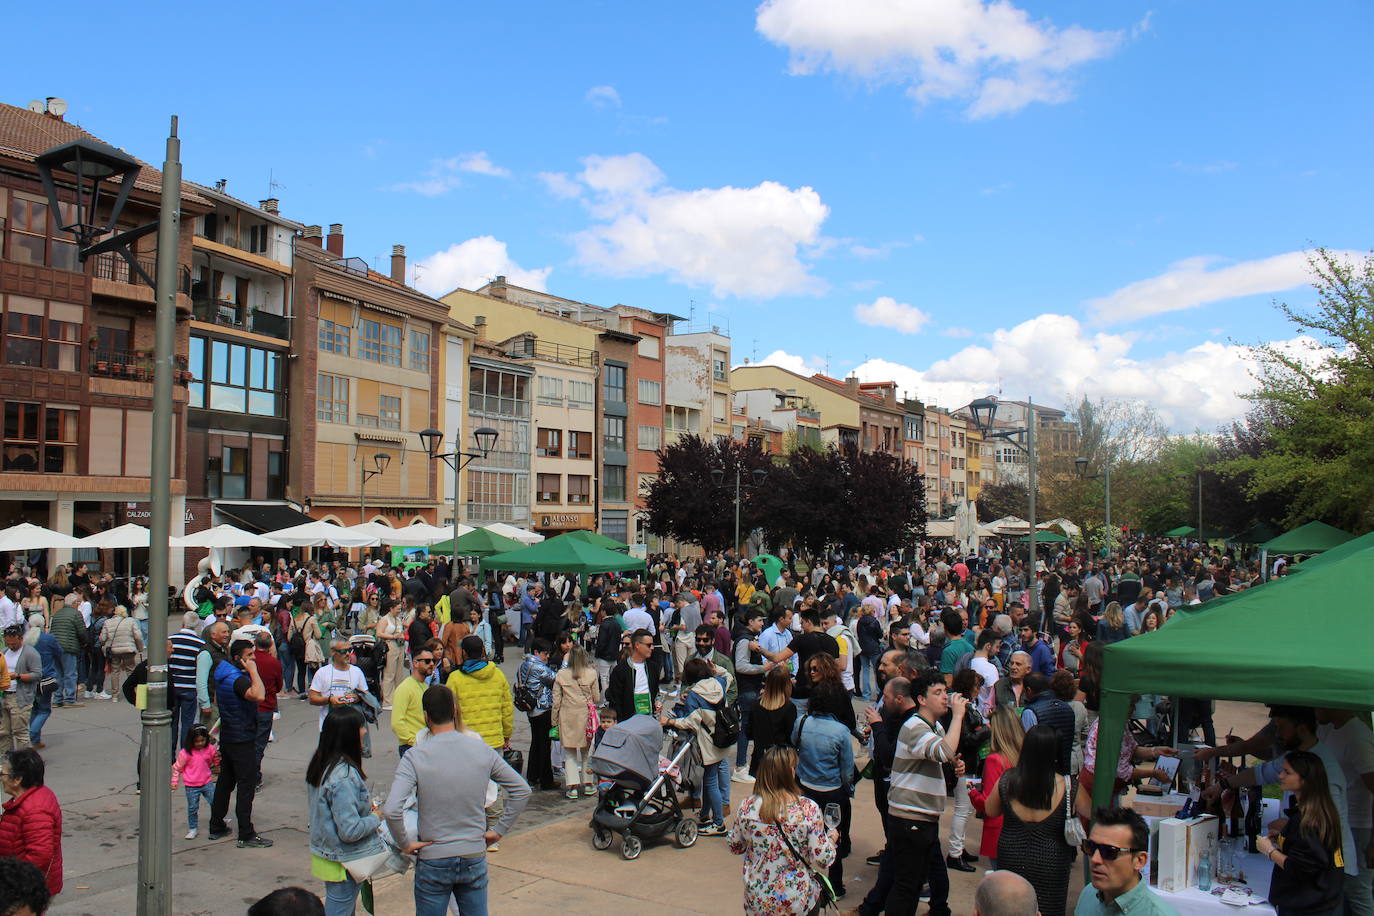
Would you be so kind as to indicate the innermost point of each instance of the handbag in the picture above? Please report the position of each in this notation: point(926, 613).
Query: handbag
point(389, 861)
point(1073, 827)
point(514, 758)
point(827, 898)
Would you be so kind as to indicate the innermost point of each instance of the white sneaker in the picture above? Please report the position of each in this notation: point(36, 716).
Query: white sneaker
point(192, 834)
point(275, 715)
point(102, 695)
point(272, 736)
point(88, 696)
point(741, 774)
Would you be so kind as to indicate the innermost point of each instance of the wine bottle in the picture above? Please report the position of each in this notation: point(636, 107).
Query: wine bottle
point(1254, 816)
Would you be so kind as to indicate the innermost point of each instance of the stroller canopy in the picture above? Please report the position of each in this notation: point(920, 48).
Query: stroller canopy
point(631, 746)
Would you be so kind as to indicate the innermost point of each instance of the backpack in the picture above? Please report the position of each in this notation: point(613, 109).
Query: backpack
point(726, 730)
point(525, 697)
point(296, 641)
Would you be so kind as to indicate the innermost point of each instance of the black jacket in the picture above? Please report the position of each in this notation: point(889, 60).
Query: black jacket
point(620, 690)
point(1312, 877)
point(1054, 712)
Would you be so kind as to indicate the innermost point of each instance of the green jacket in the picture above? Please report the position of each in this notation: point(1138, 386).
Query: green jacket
point(68, 629)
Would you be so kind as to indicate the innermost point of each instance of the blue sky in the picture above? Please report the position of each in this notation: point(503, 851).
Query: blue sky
point(1038, 197)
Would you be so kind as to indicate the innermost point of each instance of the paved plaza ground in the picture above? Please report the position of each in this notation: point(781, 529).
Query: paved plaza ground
point(546, 865)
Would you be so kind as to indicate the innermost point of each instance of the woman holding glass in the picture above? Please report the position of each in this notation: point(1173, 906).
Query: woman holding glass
point(344, 823)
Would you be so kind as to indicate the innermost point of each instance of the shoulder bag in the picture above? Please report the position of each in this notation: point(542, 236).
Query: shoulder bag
point(827, 897)
point(1073, 827)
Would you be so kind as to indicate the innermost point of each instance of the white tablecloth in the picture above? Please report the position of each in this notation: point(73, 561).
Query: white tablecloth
point(1258, 870)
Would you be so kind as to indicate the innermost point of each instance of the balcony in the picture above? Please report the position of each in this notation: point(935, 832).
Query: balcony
point(131, 365)
point(109, 267)
point(533, 348)
point(233, 315)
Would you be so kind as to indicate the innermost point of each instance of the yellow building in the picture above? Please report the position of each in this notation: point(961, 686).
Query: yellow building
point(839, 418)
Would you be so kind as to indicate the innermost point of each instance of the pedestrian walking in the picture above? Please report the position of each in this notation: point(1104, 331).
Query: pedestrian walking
point(195, 768)
point(20, 671)
point(576, 696)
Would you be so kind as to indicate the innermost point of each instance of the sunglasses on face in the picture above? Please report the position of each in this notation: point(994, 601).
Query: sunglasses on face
point(1109, 852)
point(423, 661)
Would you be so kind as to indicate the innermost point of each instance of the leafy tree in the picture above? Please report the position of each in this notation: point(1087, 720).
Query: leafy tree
point(684, 503)
point(998, 500)
point(886, 504)
point(1316, 405)
point(802, 501)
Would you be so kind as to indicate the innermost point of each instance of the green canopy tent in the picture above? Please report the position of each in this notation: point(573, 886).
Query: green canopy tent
point(591, 537)
point(1314, 537)
point(1248, 650)
point(564, 554)
point(1335, 554)
point(478, 542)
point(1046, 537)
point(1180, 531)
point(771, 566)
point(1257, 533)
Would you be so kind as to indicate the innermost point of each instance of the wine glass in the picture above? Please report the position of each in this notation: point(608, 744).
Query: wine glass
point(832, 815)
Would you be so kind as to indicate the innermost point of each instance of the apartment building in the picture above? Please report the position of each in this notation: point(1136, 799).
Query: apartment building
point(364, 381)
point(76, 352)
point(1056, 436)
point(761, 390)
point(697, 395)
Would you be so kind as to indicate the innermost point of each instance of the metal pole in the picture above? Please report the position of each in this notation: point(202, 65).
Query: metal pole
point(362, 492)
point(738, 550)
point(457, 465)
point(1030, 473)
point(1107, 485)
point(155, 751)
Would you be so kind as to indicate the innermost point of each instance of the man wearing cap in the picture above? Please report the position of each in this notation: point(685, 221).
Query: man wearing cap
point(20, 673)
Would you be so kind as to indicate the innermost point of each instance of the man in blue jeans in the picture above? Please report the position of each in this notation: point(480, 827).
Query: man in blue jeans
point(448, 774)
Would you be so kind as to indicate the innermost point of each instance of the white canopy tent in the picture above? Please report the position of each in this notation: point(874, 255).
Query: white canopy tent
point(320, 534)
point(409, 536)
point(940, 528)
point(25, 537)
point(514, 533)
point(1063, 524)
point(222, 536)
point(1006, 525)
point(125, 537)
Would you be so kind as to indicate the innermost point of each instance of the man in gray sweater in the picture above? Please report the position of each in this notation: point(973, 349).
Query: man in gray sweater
point(448, 773)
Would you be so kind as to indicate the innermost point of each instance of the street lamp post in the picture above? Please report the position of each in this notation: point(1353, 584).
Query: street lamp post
point(380, 462)
point(485, 438)
point(984, 411)
point(91, 163)
point(718, 478)
point(1081, 465)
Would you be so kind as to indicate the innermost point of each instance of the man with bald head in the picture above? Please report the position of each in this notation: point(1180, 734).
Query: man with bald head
point(1004, 893)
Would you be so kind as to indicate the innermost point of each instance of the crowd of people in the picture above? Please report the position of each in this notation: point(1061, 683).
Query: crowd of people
point(959, 681)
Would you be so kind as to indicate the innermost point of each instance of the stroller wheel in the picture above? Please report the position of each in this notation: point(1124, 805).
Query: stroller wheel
point(631, 846)
point(601, 837)
point(686, 833)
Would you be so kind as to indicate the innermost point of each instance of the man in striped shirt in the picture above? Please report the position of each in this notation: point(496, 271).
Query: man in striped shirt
point(916, 795)
point(181, 671)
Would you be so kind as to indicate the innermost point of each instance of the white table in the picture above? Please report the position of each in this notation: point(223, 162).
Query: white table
point(1194, 902)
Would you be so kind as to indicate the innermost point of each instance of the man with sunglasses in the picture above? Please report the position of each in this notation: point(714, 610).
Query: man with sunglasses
point(407, 711)
point(339, 683)
point(1117, 851)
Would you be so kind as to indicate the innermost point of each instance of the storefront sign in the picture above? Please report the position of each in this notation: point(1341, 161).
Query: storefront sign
point(565, 521)
point(134, 511)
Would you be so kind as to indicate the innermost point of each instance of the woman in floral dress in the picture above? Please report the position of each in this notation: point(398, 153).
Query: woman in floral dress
point(776, 883)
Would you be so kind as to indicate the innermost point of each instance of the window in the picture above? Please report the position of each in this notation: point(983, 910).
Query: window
point(581, 394)
point(388, 412)
point(496, 393)
point(226, 475)
point(579, 489)
point(276, 476)
point(650, 438)
point(648, 347)
point(579, 444)
point(379, 342)
point(549, 444)
point(331, 399)
point(613, 483)
point(257, 238)
point(718, 365)
point(650, 392)
point(550, 488)
point(334, 337)
point(31, 231)
point(613, 433)
point(615, 524)
point(242, 379)
point(419, 350)
point(613, 384)
point(550, 390)
point(49, 448)
point(43, 334)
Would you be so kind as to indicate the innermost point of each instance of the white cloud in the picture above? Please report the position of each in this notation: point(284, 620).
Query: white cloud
point(481, 164)
point(988, 54)
point(1198, 387)
point(442, 175)
point(602, 97)
point(746, 242)
point(886, 312)
point(469, 264)
point(1190, 283)
point(957, 332)
point(560, 185)
point(792, 362)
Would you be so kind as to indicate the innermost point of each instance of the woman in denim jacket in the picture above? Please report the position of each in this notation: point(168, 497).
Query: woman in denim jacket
point(343, 822)
point(825, 761)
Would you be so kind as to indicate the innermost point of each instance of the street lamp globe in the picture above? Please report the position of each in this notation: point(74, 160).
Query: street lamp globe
point(486, 438)
point(717, 476)
point(1081, 465)
point(431, 439)
point(984, 411)
point(760, 475)
point(91, 162)
point(381, 460)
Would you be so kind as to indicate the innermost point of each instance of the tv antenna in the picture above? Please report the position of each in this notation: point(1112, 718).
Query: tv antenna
point(273, 186)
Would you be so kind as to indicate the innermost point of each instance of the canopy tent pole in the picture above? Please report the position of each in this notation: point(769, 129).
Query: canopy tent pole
point(1111, 727)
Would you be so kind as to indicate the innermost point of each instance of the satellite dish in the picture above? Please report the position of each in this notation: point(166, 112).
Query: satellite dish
point(37, 106)
point(56, 106)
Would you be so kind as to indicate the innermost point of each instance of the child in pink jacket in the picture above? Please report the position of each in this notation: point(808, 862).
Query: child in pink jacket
point(195, 766)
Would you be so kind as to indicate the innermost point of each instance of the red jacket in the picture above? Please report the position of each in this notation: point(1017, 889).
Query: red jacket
point(993, 768)
point(31, 829)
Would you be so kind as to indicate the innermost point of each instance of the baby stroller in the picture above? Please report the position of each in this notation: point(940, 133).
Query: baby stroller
point(368, 655)
point(642, 801)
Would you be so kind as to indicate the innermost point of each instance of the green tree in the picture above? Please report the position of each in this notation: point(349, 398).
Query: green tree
point(684, 503)
point(1315, 404)
point(998, 500)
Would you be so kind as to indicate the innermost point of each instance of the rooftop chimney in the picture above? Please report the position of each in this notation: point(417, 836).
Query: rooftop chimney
point(269, 205)
point(497, 288)
point(851, 384)
point(480, 323)
point(313, 234)
point(398, 263)
point(335, 240)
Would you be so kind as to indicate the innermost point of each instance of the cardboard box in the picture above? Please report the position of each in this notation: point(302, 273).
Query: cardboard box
point(1158, 805)
point(1181, 843)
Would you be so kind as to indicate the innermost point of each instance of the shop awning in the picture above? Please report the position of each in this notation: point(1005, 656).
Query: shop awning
point(262, 517)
